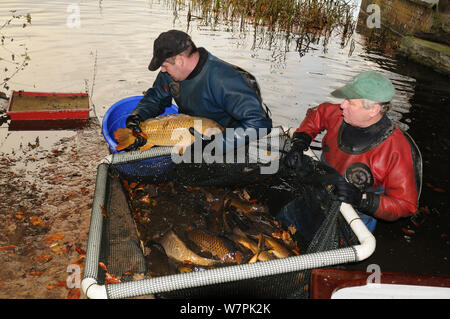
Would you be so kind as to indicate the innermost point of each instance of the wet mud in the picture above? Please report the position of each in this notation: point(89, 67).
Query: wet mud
point(45, 213)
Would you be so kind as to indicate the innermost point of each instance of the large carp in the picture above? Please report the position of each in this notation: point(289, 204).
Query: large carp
point(214, 245)
point(177, 250)
point(167, 130)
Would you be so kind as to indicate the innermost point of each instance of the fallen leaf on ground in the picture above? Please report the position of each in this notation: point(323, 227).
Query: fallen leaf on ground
point(44, 258)
point(52, 238)
point(73, 293)
point(8, 249)
point(80, 251)
point(35, 220)
point(19, 216)
point(80, 260)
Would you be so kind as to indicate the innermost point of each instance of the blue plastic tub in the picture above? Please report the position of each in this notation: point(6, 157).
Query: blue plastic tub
point(116, 117)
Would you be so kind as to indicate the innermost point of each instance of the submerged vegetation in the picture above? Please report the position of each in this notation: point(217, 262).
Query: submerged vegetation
point(305, 20)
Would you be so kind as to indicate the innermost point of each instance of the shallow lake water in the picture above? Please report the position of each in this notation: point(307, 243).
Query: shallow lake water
point(106, 53)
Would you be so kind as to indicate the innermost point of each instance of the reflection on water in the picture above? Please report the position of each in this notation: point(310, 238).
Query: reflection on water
point(108, 55)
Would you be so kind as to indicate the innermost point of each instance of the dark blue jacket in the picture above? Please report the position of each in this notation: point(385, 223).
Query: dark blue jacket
point(219, 92)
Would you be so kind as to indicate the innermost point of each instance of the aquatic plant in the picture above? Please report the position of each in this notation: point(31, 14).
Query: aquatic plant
point(304, 21)
point(286, 15)
point(11, 60)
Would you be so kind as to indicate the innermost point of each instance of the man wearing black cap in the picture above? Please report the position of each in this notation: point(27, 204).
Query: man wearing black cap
point(201, 85)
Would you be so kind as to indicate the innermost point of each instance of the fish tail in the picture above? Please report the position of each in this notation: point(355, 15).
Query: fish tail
point(124, 138)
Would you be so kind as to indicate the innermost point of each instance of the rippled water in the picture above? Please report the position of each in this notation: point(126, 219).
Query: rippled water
point(114, 43)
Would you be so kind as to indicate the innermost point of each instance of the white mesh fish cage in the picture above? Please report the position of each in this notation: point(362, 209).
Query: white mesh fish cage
point(113, 241)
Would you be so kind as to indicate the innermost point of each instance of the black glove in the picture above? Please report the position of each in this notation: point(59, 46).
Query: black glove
point(140, 141)
point(133, 121)
point(366, 203)
point(300, 143)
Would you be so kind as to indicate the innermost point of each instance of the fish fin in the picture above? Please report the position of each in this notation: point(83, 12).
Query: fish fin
point(124, 138)
point(146, 147)
point(254, 258)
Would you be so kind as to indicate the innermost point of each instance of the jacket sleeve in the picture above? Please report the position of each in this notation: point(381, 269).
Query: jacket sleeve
point(155, 99)
point(400, 198)
point(316, 119)
point(241, 102)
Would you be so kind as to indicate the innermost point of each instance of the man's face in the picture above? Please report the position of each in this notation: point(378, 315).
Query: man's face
point(174, 69)
point(355, 114)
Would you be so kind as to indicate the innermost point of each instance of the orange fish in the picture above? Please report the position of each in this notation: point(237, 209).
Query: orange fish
point(167, 130)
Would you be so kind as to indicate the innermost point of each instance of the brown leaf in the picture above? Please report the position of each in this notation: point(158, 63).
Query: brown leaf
point(80, 251)
point(277, 235)
point(408, 232)
point(145, 199)
point(20, 216)
point(43, 258)
point(80, 260)
point(292, 229)
point(104, 213)
point(62, 283)
point(102, 265)
point(285, 235)
point(8, 249)
point(436, 211)
point(139, 276)
point(74, 293)
point(52, 238)
point(425, 210)
point(35, 220)
point(111, 279)
point(436, 189)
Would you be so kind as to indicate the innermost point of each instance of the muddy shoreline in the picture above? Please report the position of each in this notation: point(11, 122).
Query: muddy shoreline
point(45, 214)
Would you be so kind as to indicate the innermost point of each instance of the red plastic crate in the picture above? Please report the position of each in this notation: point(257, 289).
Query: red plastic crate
point(48, 106)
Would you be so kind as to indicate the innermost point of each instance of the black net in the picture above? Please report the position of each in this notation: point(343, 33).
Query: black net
point(127, 240)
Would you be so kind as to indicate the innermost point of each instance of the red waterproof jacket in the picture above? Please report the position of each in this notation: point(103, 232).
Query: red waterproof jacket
point(390, 162)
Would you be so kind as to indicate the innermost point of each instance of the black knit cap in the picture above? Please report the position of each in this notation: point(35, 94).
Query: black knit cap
point(168, 44)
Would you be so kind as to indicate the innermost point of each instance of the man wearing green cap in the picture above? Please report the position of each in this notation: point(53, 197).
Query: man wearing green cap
point(373, 155)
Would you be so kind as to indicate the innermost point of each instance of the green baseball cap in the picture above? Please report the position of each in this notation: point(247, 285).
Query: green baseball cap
point(369, 85)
